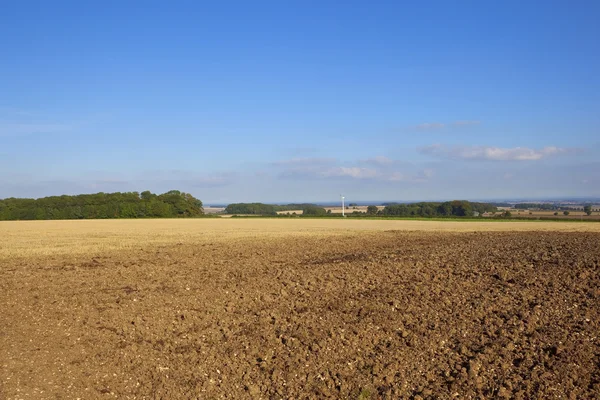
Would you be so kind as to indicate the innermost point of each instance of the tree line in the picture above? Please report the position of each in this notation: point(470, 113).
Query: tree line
point(537, 206)
point(272, 209)
point(171, 204)
point(456, 208)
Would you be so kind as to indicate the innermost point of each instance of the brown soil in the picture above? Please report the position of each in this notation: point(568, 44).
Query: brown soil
point(365, 315)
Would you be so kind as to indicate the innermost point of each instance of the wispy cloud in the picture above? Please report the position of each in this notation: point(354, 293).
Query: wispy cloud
point(428, 172)
point(492, 153)
point(379, 168)
point(304, 161)
point(351, 172)
point(378, 160)
point(420, 177)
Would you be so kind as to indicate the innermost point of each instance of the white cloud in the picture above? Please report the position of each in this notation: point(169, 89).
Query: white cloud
point(492, 153)
point(352, 172)
point(378, 160)
point(428, 172)
point(375, 169)
point(382, 175)
point(397, 177)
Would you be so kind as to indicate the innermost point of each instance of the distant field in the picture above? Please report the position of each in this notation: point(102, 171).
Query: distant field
point(573, 214)
point(213, 210)
point(350, 210)
point(298, 212)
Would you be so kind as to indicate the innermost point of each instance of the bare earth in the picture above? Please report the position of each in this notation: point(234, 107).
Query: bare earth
point(258, 308)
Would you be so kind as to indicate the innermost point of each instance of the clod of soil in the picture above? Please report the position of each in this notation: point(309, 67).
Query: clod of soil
point(372, 315)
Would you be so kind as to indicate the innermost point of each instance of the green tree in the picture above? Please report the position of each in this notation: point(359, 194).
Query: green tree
point(314, 210)
point(147, 195)
point(445, 209)
point(587, 209)
point(372, 210)
point(102, 205)
point(566, 212)
point(251, 208)
point(462, 208)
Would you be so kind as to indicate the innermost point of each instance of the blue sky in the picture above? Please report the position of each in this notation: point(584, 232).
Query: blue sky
point(301, 101)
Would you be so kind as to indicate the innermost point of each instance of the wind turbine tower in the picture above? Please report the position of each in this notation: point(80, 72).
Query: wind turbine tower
point(343, 207)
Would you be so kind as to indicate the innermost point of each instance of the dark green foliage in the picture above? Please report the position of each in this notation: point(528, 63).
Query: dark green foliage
point(587, 209)
point(251, 208)
point(536, 206)
point(457, 208)
point(103, 205)
point(372, 210)
point(566, 212)
point(314, 210)
point(271, 209)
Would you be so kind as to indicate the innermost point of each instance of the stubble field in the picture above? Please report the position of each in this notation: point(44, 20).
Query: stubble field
point(259, 308)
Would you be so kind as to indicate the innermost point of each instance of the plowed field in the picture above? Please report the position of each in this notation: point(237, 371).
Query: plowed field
point(361, 313)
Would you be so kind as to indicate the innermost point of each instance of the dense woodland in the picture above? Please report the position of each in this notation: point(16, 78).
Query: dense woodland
point(456, 208)
point(272, 209)
point(251, 209)
point(103, 205)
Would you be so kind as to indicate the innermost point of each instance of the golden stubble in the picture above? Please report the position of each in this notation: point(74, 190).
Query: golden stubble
point(20, 239)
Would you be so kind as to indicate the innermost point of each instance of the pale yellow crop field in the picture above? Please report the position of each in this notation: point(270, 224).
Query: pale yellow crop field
point(290, 212)
point(24, 238)
point(350, 210)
